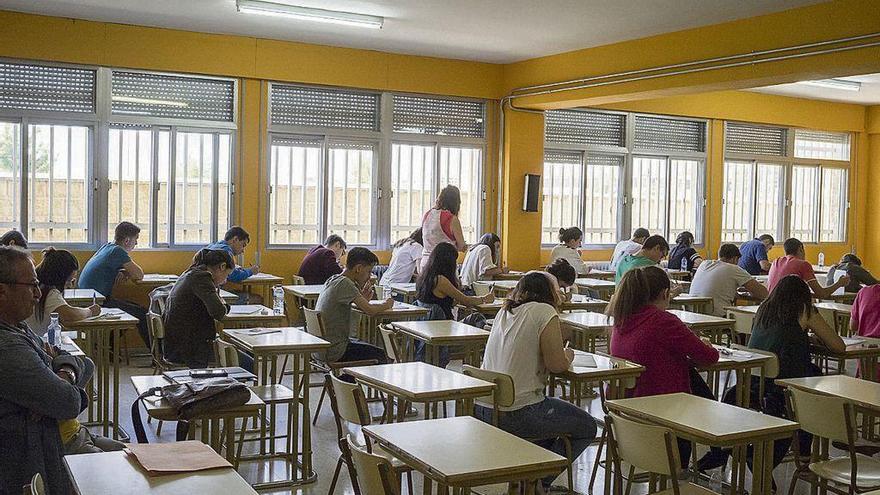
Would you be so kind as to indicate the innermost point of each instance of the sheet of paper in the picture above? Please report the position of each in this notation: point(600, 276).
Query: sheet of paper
point(176, 457)
point(852, 340)
point(260, 331)
point(245, 309)
point(583, 361)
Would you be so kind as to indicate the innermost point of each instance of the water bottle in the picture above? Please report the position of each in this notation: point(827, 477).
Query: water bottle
point(684, 264)
point(54, 329)
point(278, 296)
point(821, 259)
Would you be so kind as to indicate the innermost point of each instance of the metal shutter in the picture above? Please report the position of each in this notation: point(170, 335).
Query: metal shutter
point(44, 88)
point(585, 128)
point(754, 139)
point(298, 141)
point(604, 160)
point(173, 97)
point(438, 116)
point(566, 157)
point(320, 107)
point(667, 134)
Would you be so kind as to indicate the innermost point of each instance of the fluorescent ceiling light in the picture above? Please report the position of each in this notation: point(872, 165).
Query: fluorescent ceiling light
point(150, 101)
point(835, 84)
point(263, 7)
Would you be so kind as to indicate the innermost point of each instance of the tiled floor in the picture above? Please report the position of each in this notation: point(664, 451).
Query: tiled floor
point(326, 451)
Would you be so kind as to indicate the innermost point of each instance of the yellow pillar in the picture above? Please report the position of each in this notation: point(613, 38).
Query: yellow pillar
point(523, 154)
point(871, 256)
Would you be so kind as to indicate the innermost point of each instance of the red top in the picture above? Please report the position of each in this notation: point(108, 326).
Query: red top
point(319, 265)
point(667, 349)
point(866, 311)
point(789, 265)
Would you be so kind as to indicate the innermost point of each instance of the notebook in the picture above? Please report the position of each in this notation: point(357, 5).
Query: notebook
point(176, 457)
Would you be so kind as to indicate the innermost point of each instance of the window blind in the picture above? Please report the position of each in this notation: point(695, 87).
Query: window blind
point(667, 134)
point(821, 144)
point(174, 97)
point(321, 107)
point(566, 157)
point(439, 116)
point(585, 128)
point(45, 88)
point(754, 139)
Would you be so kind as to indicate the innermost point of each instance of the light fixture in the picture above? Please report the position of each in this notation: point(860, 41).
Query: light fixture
point(264, 7)
point(150, 101)
point(835, 84)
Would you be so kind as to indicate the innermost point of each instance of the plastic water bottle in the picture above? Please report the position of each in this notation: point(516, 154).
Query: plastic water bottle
point(684, 264)
point(821, 259)
point(278, 303)
point(54, 329)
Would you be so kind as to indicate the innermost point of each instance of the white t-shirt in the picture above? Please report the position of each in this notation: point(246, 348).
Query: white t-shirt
point(476, 262)
point(719, 280)
point(403, 264)
point(54, 300)
point(571, 256)
point(514, 348)
point(622, 249)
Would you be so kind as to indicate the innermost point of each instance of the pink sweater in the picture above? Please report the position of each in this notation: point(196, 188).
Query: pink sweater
point(667, 349)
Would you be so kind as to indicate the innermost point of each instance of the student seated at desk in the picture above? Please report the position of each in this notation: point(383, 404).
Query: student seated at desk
point(352, 286)
point(569, 249)
point(57, 272)
point(754, 254)
point(782, 326)
point(405, 257)
point(645, 333)
point(652, 252)
point(323, 261)
point(13, 238)
point(112, 263)
point(234, 243)
point(684, 252)
point(794, 263)
point(438, 289)
point(565, 277)
point(526, 343)
point(851, 265)
point(482, 261)
point(628, 246)
point(192, 307)
point(721, 280)
point(865, 317)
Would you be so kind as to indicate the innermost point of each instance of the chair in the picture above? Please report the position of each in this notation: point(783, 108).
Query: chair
point(393, 343)
point(35, 487)
point(349, 405)
point(315, 326)
point(482, 288)
point(832, 418)
point(157, 334)
point(503, 395)
point(650, 448)
point(603, 438)
point(374, 472)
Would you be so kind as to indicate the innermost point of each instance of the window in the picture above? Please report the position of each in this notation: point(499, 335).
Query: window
point(133, 172)
point(833, 206)
point(10, 172)
point(821, 145)
point(461, 167)
point(649, 188)
point(196, 191)
point(804, 203)
point(350, 192)
point(667, 195)
point(752, 200)
point(562, 193)
point(294, 195)
point(412, 186)
point(769, 198)
point(603, 198)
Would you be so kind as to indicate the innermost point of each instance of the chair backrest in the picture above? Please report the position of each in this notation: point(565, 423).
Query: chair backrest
point(647, 447)
point(825, 416)
point(481, 288)
point(389, 338)
point(348, 401)
point(156, 326)
point(226, 353)
point(314, 323)
point(504, 393)
point(297, 280)
point(37, 487)
point(374, 474)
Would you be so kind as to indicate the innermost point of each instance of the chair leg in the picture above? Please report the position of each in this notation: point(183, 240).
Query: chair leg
point(335, 475)
point(159, 428)
point(598, 459)
point(320, 402)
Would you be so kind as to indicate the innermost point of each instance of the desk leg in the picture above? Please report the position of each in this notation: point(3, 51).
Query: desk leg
point(116, 343)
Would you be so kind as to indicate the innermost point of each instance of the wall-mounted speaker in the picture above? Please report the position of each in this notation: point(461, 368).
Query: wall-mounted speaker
point(532, 192)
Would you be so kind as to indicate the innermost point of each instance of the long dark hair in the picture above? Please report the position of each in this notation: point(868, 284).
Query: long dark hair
point(489, 239)
point(685, 239)
point(789, 300)
point(570, 234)
point(449, 199)
point(563, 271)
point(13, 237)
point(533, 287)
point(53, 272)
point(212, 257)
point(443, 261)
point(638, 288)
point(415, 236)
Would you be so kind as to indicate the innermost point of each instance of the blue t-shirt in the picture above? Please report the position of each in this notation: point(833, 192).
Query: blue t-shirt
point(753, 252)
point(100, 272)
point(238, 273)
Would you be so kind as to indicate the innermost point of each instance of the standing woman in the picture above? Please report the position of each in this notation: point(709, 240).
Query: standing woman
point(57, 272)
point(569, 249)
point(441, 224)
point(405, 256)
point(192, 307)
point(684, 251)
point(482, 260)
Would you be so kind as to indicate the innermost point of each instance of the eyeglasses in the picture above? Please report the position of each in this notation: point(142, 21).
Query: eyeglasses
point(32, 285)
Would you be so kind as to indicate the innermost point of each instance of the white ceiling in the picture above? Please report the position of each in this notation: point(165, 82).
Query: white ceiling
point(499, 31)
point(869, 94)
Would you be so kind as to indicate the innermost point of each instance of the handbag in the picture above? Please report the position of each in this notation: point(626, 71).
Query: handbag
point(194, 399)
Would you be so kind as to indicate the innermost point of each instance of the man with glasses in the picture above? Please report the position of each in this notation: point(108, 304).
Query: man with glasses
point(40, 384)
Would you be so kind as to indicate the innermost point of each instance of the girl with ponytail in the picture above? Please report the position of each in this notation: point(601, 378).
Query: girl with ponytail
point(569, 249)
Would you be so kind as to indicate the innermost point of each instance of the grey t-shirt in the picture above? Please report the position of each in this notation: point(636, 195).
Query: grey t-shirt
point(334, 303)
point(718, 280)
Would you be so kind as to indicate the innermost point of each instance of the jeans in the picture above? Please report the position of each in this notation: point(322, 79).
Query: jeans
point(359, 350)
point(135, 310)
point(549, 418)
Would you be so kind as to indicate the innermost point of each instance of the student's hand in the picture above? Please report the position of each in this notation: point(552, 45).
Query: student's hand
point(95, 309)
point(255, 269)
point(488, 298)
point(843, 281)
point(122, 276)
point(388, 304)
point(675, 291)
point(569, 353)
point(367, 291)
point(50, 350)
point(505, 269)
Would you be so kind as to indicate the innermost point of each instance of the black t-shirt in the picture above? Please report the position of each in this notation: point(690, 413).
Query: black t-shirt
point(680, 252)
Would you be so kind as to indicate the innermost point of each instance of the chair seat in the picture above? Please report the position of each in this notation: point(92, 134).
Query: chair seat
point(273, 393)
point(840, 469)
point(686, 488)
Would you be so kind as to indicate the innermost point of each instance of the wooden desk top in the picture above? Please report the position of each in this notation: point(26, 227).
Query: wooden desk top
point(407, 289)
point(82, 296)
point(596, 273)
point(697, 320)
point(109, 318)
point(511, 275)
point(442, 331)
point(607, 367)
point(259, 313)
point(846, 297)
point(863, 392)
point(748, 310)
point(464, 451)
point(304, 291)
point(730, 358)
point(835, 306)
point(716, 423)
point(676, 274)
point(262, 278)
point(157, 279)
point(283, 340)
point(861, 347)
point(117, 472)
point(691, 299)
point(595, 283)
point(504, 284)
point(399, 309)
point(587, 321)
point(578, 302)
point(159, 408)
point(228, 297)
point(420, 382)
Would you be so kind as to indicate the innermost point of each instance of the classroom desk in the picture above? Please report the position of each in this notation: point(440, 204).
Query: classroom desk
point(821, 269)
point(218, 427)
point(862, 392)
point(422, 383)
point(600, 274)
point(259, 316)
point(261, 284)
point(865, 349)
point(368, 326)
point(439, 333)
point(579, 302)
point(295, 346)
point(694, 304)
point(83, 298)
point(407, 291)
point(306, 295)
point(845, 298)
point(618, 373)
point(605, 288)
point(710, 326)
point(741, 361)
point(117, 472)
point(503, 287)
point(710, 422)
point(837, 315)
point(676, 274)
point(587, 328)
point(471, 453)
point(228, 297)
point(153, 280)
point(67, 345)
point(743, 317)
point(511, 275)
point(102, 336)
